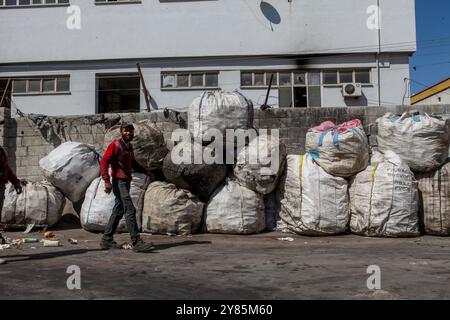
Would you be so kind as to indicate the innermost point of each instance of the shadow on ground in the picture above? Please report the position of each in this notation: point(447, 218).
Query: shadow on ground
point(46, 255)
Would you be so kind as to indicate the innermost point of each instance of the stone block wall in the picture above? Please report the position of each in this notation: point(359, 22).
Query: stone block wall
point(28, 139)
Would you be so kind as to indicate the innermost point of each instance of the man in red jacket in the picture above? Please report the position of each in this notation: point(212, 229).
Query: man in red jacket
point(120, 157)
point(6, 174)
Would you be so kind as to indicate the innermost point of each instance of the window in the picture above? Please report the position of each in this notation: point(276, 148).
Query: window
point(212, 80)
point(31, 3)
point(300, 88)
point(183, 80)
point(330, 77)
point(246, 79)
point(285, 78)
point(274, 80)
point(20, 86)
point(118, 92)
point(42, 85)
point(314, 78)
point(345, 76)
point(190, 80)
point(299, 78)
point(362, 76)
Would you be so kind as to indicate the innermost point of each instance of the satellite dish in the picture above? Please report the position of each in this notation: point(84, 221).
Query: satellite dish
point(270, 12)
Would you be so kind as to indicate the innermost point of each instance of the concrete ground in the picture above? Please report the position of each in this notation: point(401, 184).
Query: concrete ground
point(210, 266)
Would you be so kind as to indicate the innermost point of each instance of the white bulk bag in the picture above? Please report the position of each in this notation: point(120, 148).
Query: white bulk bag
point(71, 168)
point(235, 209)
point(168, 209)
point(383, 199)
point(97, 206)
point(313, 202)
point(40, 203)
point(434, 189)
point(219, 110)
point(340, 152)
point(421, 141)
point(252, 172)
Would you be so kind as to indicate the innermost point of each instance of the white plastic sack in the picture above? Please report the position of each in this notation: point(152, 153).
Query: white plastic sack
point(97, 206)
point(40, 203)
point(434, 188)
point(340, 153)
point(313, 202)
point(71, 168)
point(383, 199)
point(221, 111)
point(235, 209)
point(421, 141)
point(260, 164)
point(170, 210)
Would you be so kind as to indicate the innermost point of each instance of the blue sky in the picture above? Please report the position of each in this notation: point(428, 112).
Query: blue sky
point(431, 63)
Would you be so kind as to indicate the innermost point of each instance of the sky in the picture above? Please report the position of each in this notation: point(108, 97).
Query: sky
point(431, 63)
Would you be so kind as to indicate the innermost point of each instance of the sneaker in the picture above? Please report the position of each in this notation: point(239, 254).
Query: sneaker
point(141, 246)
point(106, 245)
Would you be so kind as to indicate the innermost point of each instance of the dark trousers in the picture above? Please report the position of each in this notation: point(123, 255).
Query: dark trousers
point(122, 206)
point(2, 199)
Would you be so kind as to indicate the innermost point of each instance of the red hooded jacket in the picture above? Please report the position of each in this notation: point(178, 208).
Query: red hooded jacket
point(120, 157)
point(6, 173)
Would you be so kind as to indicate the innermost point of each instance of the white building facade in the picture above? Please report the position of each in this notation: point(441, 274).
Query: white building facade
point(68, 57)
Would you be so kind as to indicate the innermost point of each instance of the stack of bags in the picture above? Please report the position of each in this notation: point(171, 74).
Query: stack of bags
point(239, 205)
point(69, 169)
point(203, 193)
point(314, 190)
point(72, 171)
point(422, 143)
point(194, 193)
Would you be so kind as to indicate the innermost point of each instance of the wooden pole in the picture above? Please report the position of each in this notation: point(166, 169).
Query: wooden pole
point(144, 87)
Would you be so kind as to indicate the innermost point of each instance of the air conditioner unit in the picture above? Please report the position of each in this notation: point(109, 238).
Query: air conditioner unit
point(352, 90)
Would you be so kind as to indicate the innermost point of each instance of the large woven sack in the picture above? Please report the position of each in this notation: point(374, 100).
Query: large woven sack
point(260, 164)
point(170, 210)
point(148, 144)
point(422, 141)
point(98, 205)
point(202, 179)
point(71, 168)
point(235, 209)
point(434, 207)
point(313, 202)
point(219, 110)
point(383, 199)
point(342, 150)
point(110, 135)
point(40, 204)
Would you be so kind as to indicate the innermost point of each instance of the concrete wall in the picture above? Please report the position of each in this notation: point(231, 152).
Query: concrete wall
point(170, 28)
point(27, 144)
point(82, 97)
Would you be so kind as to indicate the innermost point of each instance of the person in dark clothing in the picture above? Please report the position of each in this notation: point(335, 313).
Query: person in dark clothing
point(120, 157)
point(6, 174)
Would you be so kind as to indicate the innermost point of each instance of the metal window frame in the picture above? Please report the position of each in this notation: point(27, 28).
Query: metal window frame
point(33, 5)
point(41, 85)
point(190, 73)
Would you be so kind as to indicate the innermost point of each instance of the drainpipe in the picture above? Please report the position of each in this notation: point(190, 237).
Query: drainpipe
point(379, 53)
